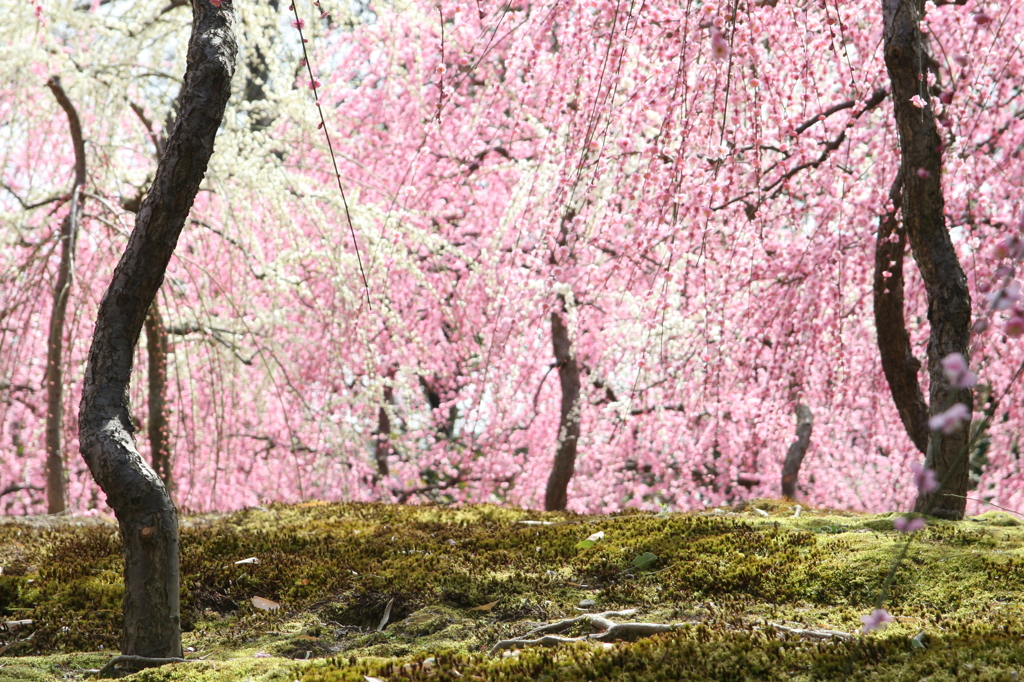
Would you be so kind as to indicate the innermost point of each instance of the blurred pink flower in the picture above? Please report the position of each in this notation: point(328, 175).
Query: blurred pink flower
point(719, 45)
point(906, 524)
point(876, 620)
point(1014, 327)
point(949, 421)
point(924, 479)
point(957, 371)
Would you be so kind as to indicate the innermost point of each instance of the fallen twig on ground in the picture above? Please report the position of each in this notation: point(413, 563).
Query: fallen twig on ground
point(813, 634)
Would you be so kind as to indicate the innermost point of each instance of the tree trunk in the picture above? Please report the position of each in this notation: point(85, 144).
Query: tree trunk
point(949, 301)
point(556, 495)
point(797, 450)
point(159, 443)
point(382, 448)
point(55, 498)
point(146, 516)
point(898, 361)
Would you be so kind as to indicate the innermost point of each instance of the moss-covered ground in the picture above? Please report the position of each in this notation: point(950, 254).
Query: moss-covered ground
point(455, 581)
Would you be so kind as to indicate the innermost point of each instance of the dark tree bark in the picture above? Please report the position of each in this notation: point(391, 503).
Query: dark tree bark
point(55, 499)
point(797, 450)
point(949, 301)
point(382, 448)
point(556, 494)
point(446, 427)
point(159, 442)
point(146, 515)
point(898, 361)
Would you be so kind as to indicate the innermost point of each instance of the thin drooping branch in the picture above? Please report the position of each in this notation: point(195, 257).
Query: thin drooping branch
point(159, 438)
point(949, 300)
point(55, 498)
point(797, 450)
point(146, 515)
point(898, 361)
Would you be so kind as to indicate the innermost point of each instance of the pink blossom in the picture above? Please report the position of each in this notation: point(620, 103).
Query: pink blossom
point(719, 45)
point(908, 524)
point(957, 372)
point(1014, 327)
point(1011, 247)
point(876, 620)
point(924, 479)
point(314, 84)
point(918, 102)
point(923, 173)
point(1004, 298)
point(299, 24)
point(949, 421)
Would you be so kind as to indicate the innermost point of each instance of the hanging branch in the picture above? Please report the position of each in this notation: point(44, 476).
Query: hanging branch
point(898, 361)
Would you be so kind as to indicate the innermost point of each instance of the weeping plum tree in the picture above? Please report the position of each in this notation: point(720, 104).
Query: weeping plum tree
point(146, 515)
point(728, 162)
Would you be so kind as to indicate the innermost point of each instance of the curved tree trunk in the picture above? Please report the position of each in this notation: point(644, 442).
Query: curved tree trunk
point(556, 495)
point(797, 450)
point(949, 301)
point(159, 443)
point(146, 516)
point(55, 498)
point(898, 361)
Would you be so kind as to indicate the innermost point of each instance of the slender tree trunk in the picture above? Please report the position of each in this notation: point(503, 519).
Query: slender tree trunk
point(949, 301)
point(556, 495)
point(159, 443)
point(382, 448)
point(797, 450)
point(146, 515)
point(898, 361)
point(55, 497)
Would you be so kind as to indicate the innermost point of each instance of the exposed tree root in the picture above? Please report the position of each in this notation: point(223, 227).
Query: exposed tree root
point(610, 631)
point(107, 671)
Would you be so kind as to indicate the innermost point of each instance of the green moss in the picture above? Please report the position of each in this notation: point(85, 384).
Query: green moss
point(725, 575)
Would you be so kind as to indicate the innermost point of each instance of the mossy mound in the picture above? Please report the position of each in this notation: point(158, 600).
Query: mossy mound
point(455, 581)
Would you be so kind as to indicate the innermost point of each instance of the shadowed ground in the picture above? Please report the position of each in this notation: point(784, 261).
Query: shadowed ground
point(753, 596)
